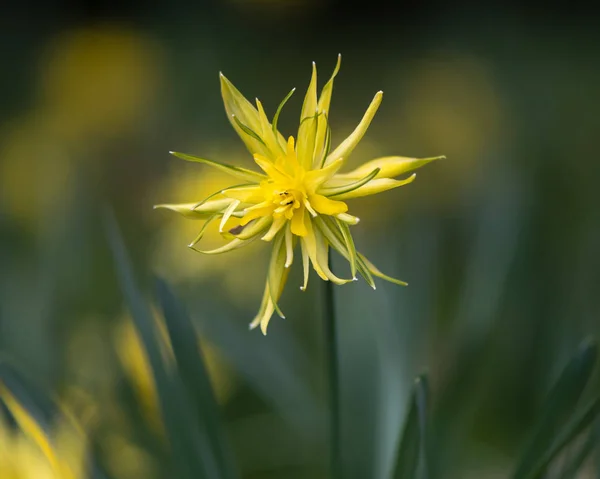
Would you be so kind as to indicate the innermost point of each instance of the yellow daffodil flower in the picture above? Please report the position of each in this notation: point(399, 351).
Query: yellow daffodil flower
point(299, 197)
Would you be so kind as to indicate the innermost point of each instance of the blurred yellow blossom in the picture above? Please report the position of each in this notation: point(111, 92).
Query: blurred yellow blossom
point(299, 197)
point(28, 452)
point(136, 365)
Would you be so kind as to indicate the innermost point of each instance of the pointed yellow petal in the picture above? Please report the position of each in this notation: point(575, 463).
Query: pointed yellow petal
point(289, 246)
point(235, 171)
point(310, 244)
point(234, 244)
point(250, 230)
point(277, 224)
point(201, 213)
point(299, 221)
point(271, 169)
point(266, 131)
point(315, 178)
point(326, 206)
point(246, 194)
point(305, 264)
point(309, 106)
point(373, 269)
point(389, 167)
point(307, 130)
point(305, 145)
point(323, 107)
point(262, 209)
point(227, 214)
point(237, 107)
point(376, 186)
point(348, 145)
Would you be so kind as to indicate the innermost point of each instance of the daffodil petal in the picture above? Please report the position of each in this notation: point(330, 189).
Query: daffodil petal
point(326, 206)
point(376, 186)
point(235, 171)
point(348, 145)
point(277, 224)
point(323, 119)
point(271, 169)
point(299, 221)
point(237, 107)
point(233, 244)
point(305, 264)
point(373, 269)
point(250, 230)
point(310, 243)
point(201, 213)
point(247, 194)
point(315, 178)
point(328, 190)
point(389, 167)
point(256, 212)
point(268, 135)
point(289, 246)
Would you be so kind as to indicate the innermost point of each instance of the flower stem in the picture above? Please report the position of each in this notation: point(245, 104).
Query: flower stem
point(332, 359)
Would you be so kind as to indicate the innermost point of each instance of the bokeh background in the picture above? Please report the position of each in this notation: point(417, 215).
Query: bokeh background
point(500, 242)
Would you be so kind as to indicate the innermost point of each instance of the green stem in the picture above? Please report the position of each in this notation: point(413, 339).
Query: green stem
point(332, 359)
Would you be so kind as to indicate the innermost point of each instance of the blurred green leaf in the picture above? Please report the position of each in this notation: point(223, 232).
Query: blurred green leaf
point(413, 443)
point(579, 456)
point(195, 378)
point(191, 453)
point(559, 407)
point(573, 429)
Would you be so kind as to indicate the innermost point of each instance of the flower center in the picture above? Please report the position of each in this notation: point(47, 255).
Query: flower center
point(287, 201)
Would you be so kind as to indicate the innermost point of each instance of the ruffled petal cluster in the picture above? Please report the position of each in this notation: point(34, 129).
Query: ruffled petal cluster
point(298, 195)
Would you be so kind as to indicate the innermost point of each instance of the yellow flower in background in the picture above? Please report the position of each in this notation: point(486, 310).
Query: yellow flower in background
point(28, 452)
point(300, 196)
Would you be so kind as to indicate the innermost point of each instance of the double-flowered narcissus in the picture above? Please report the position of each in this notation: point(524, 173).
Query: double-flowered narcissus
point(300, 195)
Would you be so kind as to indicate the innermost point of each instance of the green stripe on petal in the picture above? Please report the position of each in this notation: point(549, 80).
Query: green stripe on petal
point(279, 108)
point(343, 227)
point(348, 145)
point(373, 269)
point(203, 230)
point(389, 166)
point(235, 171)
point(323, 130)
point(348, 187)
point(233, 244)
point(336, 239)
point(249, 131)
point(267, 133)
point(375, 186)
point(254, 228)
point(276, 271)
point(237, 107)
point(190, 211)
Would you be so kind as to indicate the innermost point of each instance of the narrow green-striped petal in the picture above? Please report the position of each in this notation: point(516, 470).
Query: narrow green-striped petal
point(375, 186)
point(305, 143)
point(267, 133)
point(373, 269)
point(235, 171)
point(348, 187)
point(203, 230)
point(233, 244)
point(201, 213)
point(237, 107)
point(276, 271)
point(323, 131)
point(343, 227)
point(347, 146)
point(278, 112)
point(253, 229)
point(389, 167)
